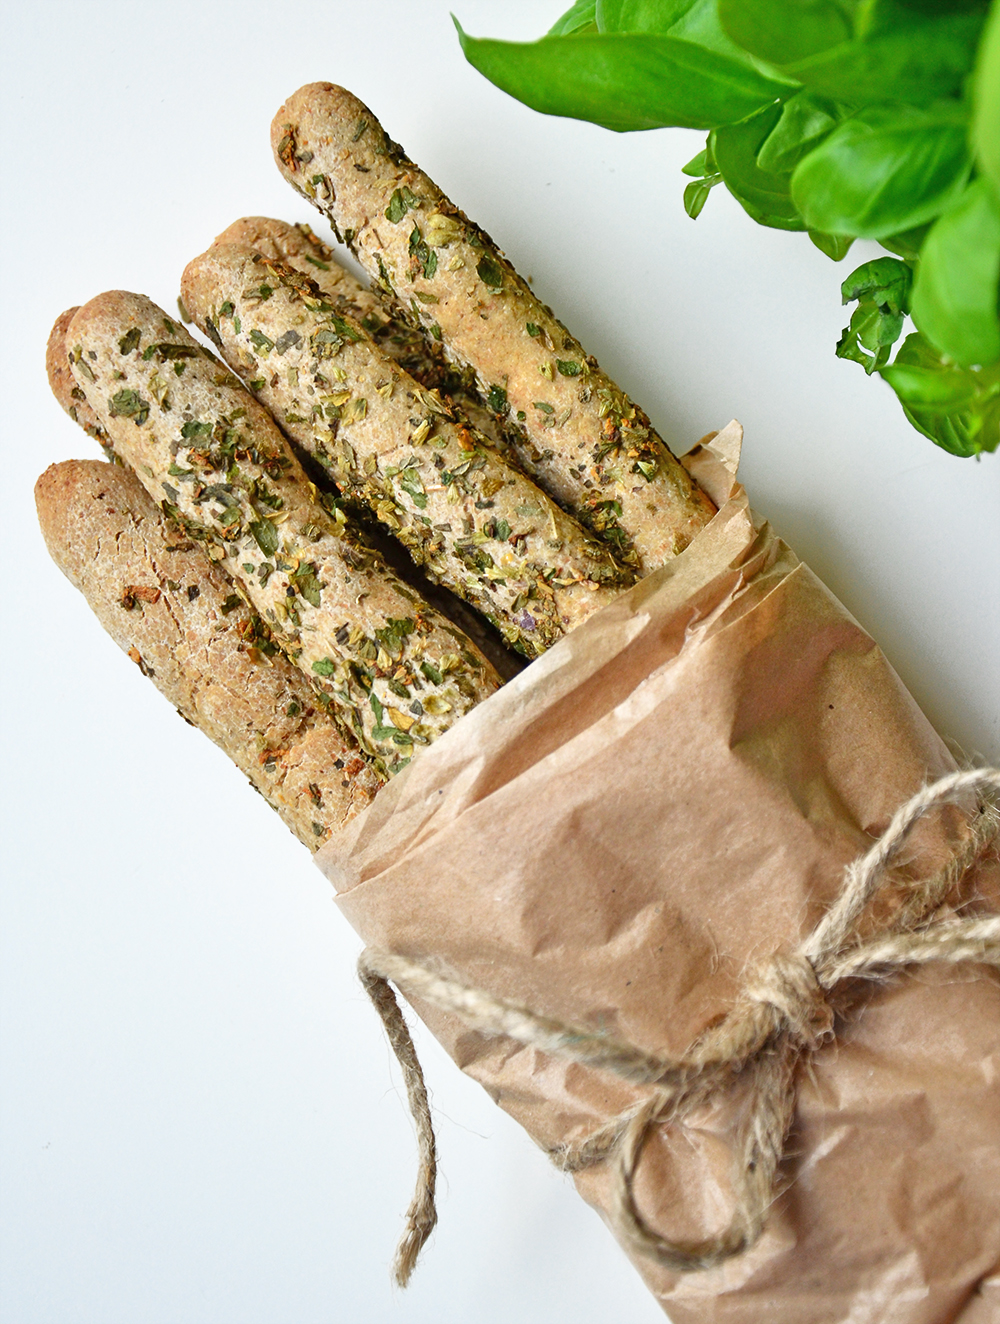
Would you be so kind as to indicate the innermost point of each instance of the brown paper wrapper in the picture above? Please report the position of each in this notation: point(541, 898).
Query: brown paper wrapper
point(670, 792)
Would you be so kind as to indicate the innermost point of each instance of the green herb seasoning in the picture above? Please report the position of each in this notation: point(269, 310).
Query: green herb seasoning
point(490, 272)
point(232, 484)
point(419, 468)
point(501, 335)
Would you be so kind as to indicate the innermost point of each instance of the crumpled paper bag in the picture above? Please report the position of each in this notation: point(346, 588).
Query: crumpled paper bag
point(673, 791)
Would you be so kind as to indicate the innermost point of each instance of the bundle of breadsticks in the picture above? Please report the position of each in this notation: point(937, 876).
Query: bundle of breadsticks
point(674, 876)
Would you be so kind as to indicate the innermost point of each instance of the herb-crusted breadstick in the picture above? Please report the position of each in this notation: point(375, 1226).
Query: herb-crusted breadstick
point(175, 613)
point(479, 525)
point(64, 386)
point(298, 247)
point(588, 445)
point(194, 435)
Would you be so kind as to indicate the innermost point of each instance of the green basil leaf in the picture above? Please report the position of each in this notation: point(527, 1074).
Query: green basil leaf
point(873, 17)
point(696, 21)
point(885, 281)
point(698, 166)
point(965, 434)
point(624, 81)
point(986, 99)
point(696, 194)
point(882, 293)
point(706, 176)
point(887, 169)
point(702, 164)
point(642, 15)
point(804, 122)
point(937, 391)
point(907, 244)
point(882, 289)
point(766, 197)
point(918, 64)
point(941, 6)
point(785, 30)
point(958, 279)
point(581, 18)
point(835, 246)
point(957, 408)
point(863, 334)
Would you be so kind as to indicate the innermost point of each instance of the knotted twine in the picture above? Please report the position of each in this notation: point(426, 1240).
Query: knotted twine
point(781, 1014)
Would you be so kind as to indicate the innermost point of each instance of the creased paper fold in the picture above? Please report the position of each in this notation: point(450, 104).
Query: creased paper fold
point(671, 791)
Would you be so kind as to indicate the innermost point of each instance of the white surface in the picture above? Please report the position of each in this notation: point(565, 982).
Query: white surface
point(201, 1122)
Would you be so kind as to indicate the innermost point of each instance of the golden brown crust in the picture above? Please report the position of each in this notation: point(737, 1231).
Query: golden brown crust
point(581, 437)
point(478, 524)
point(194, 435)
point(176, 615)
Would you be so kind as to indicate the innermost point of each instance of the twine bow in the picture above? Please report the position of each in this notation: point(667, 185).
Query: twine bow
point(781, 1014)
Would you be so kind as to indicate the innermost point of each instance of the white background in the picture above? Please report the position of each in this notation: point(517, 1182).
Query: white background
point(201, 1121)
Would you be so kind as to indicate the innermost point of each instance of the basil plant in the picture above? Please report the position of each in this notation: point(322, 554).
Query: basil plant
point(846, 119)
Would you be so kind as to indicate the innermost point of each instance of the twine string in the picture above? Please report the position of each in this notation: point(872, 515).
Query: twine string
point(781, 1015)
point(422, 1213)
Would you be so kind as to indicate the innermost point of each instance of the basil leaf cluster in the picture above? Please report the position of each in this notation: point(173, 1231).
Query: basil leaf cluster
point(845, 119)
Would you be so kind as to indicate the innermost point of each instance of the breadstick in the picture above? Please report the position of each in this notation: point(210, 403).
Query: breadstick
point(480, 526)
point(64, 386)
point(192, 433)
point(507, 664)
point(165, 604)
point(584, 440)
point(298, 247)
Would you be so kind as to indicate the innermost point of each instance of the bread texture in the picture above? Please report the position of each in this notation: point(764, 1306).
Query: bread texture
point(586, 443)
point(201, 444)
point(421, 356)
point(175, 614)
point(476, 522)
point(58, 355)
